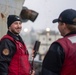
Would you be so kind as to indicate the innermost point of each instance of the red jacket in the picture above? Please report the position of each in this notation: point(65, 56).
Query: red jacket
point(69, 45)
point(19, 64)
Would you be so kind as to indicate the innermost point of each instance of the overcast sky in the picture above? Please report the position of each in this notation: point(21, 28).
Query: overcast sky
point(48, 10)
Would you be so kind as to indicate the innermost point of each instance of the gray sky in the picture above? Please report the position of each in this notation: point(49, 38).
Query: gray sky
point(48, 10)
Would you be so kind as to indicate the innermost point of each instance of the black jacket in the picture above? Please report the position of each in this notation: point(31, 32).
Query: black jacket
point(5, 59)
point(54, 59)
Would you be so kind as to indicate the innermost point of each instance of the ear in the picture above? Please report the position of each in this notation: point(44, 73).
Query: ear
point(66, 28)
point(64, 25)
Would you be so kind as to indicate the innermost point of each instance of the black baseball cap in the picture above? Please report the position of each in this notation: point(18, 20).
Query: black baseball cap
point(11, 19)
point(68, 16)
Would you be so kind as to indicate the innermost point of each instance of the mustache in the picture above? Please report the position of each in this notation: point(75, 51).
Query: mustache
point(19, 28)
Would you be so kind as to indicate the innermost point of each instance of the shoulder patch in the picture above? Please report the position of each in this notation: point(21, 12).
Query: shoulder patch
point(5, 52)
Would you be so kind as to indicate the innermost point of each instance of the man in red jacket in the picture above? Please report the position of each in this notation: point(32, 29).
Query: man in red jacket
point(14, 57)
point(61, 57)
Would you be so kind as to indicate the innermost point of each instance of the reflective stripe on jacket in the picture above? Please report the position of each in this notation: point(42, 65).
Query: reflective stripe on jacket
point(69, 45)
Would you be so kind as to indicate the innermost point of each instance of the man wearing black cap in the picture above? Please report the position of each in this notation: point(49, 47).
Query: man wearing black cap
point(61, 57)
point(13, 53)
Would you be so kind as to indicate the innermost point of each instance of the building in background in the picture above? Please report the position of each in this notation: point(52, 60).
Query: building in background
point(46, 37)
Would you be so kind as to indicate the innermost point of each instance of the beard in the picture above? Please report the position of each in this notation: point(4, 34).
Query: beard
point(16, 31)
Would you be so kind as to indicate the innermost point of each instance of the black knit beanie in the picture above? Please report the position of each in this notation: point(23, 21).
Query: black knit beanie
point(11, 19)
